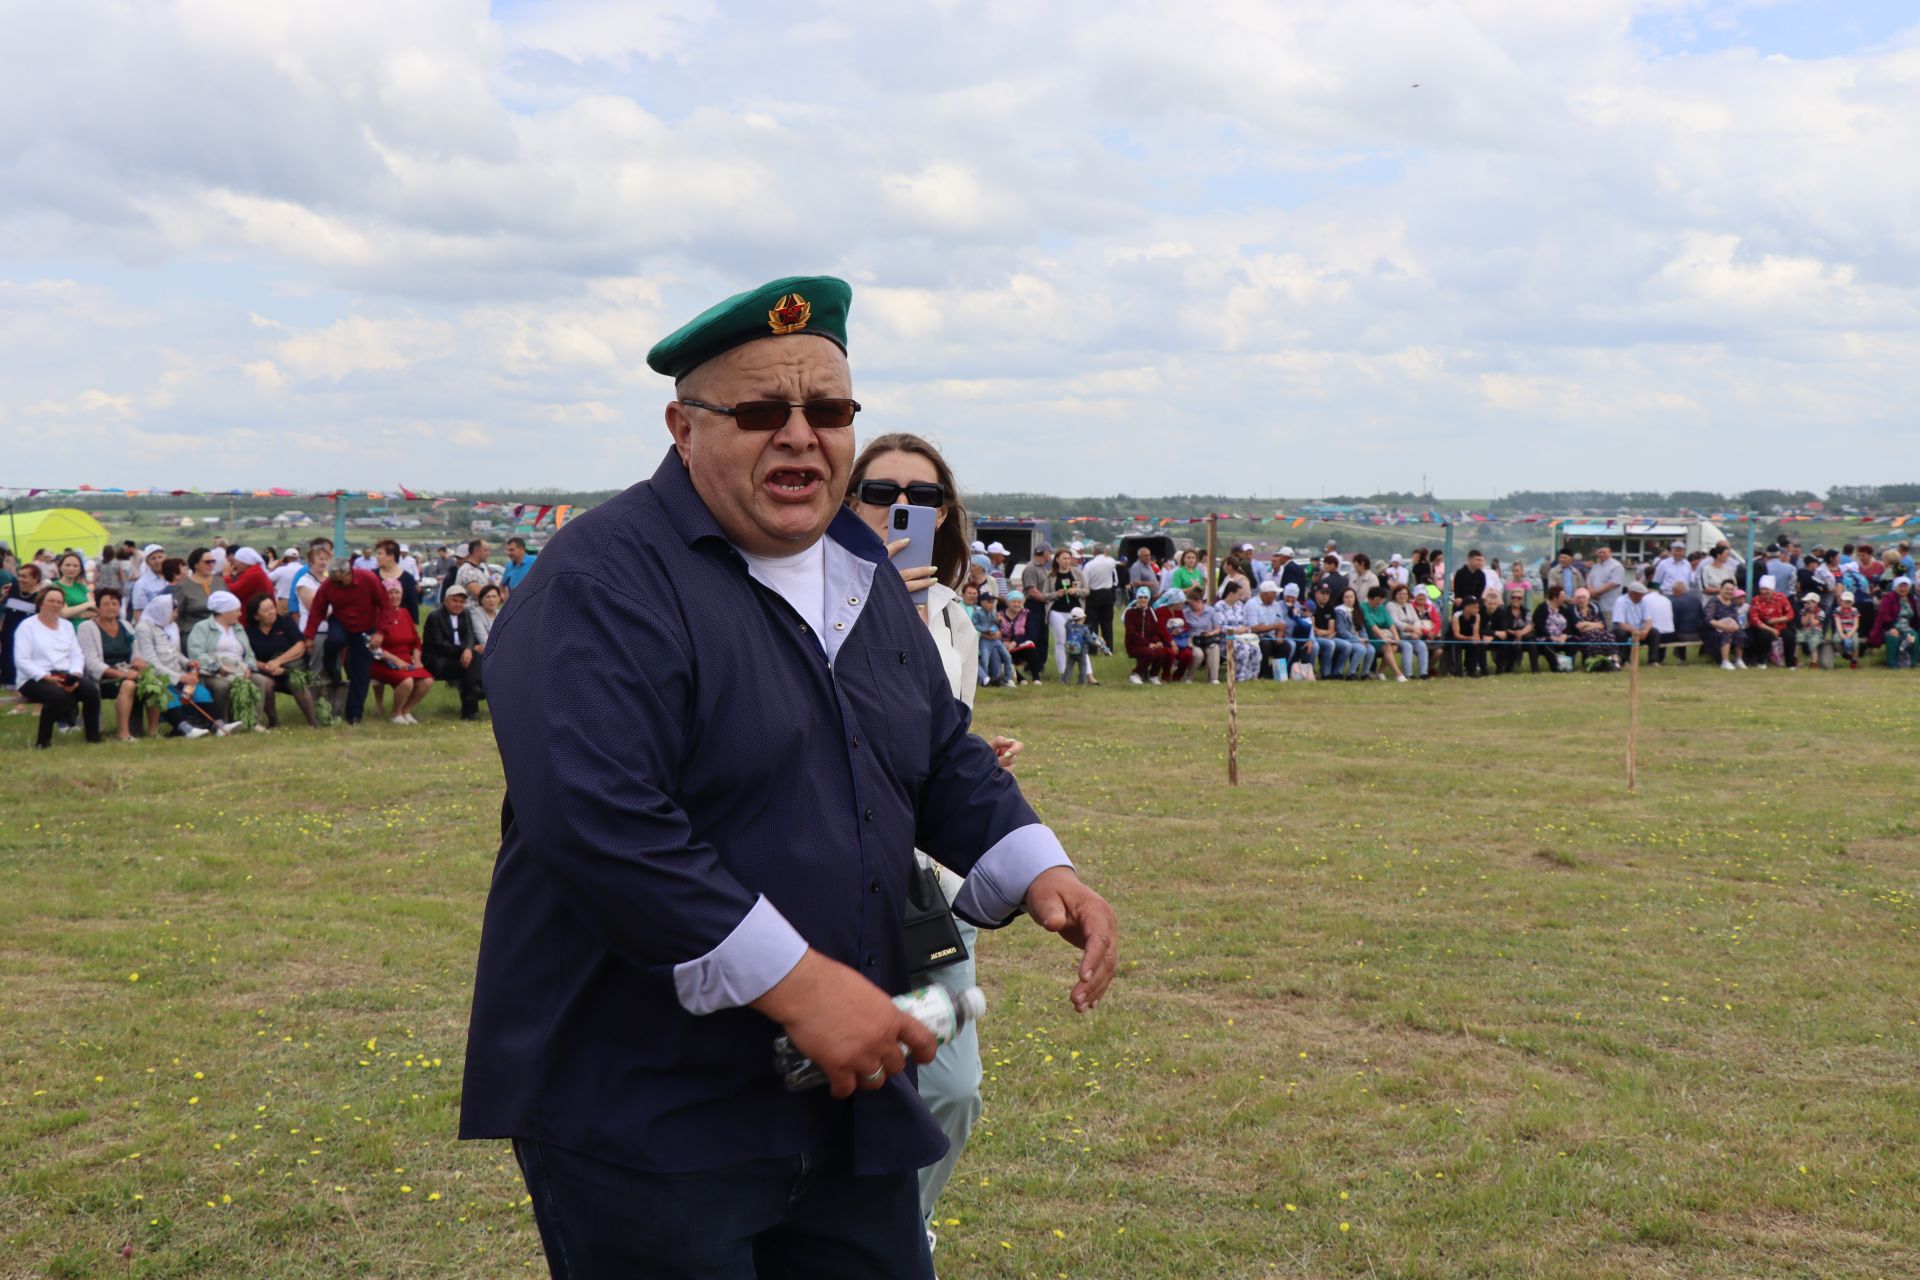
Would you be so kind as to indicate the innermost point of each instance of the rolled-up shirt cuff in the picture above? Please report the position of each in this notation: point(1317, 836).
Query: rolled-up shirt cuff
point(996, 888)
point(762, 949)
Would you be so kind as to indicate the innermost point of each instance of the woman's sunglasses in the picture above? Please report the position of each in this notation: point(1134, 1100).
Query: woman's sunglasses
point(771, 415)
point(884, 493)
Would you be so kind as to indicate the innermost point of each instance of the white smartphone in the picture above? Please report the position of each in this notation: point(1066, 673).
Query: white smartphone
point(916, 525)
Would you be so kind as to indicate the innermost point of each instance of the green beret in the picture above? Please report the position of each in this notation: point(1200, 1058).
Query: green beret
point(792, 304)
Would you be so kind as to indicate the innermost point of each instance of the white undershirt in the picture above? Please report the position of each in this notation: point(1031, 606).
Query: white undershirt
point(800, 580)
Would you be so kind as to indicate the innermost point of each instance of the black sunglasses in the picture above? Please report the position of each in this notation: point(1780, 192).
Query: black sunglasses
point(884, 493)
point(771, 415)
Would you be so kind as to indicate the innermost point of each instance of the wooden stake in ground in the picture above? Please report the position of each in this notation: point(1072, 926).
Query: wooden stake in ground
point(1633, 708)
point(1233, 715)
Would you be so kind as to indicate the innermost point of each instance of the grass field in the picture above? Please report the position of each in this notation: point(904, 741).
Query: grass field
point(1428, 995)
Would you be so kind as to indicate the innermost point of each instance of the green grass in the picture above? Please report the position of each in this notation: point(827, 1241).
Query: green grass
point(1428, 972)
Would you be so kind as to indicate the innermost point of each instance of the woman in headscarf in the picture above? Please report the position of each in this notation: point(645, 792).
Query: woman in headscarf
point(156, 642)
point(149, 584)
point(396, 658)
point(251, 579)
point(219, 644)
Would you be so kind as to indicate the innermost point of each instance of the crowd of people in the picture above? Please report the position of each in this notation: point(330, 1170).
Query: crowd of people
point(206, 643)
point(1339, 617)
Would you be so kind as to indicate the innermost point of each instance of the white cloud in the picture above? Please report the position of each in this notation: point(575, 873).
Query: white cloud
point(1084, 250)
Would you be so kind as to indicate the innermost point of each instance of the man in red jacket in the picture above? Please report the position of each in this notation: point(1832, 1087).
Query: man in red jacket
point(354, 599)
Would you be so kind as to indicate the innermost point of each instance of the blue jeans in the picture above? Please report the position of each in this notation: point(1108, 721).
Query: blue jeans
point(792, 1218)
point(996, 664)
point(1412, 652)
point(950, 1084)
point(359, 666)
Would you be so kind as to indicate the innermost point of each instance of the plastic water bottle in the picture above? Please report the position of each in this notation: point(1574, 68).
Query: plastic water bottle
point(933, 1007)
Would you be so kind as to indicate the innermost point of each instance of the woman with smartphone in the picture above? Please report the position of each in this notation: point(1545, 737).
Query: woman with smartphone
point(893, 470)
point(1066, 590)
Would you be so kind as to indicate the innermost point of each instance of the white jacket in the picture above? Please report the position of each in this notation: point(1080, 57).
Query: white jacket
point(39, 651)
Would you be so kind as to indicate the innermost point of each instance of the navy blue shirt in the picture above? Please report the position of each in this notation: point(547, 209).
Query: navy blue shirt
point(677, 747)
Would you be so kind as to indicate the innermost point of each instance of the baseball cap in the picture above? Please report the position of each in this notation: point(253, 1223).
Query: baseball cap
point(979, 546)
point(996, 549)
point(1811, 595)
point(1637, 587)
point(1269, 585)
point(1847, 596)
point(1077, 612)
point(1286, 551)
point(455, 590)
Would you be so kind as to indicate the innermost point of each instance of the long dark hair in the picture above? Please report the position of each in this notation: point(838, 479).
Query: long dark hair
point(953, 540)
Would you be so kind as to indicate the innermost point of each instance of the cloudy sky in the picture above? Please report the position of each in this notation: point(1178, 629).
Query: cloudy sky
point(1139, 247)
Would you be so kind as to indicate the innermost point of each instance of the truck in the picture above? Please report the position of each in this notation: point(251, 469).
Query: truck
point(1637, 540)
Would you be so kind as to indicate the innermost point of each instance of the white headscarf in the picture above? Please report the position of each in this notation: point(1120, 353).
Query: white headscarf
point(159, 615)
point(247, 555)
point(148, 571)
point(222, 602)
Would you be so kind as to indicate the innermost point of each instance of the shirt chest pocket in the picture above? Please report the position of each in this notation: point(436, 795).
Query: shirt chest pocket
point(894, 709)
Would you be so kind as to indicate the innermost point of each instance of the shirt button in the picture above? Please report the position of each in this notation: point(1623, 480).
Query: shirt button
point(853, 599)
point(839, 626)
point(869, 815)
point(875, 886)
point(903, 659)
point(804, 629)
point(856, 744)
point(872, 961)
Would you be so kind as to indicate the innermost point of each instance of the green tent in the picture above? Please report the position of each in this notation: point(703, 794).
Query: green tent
point(27, 532)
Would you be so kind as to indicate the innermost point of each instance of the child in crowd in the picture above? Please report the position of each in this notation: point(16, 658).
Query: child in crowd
point(996, 664)
point(1811, 633)
point(1082, 643)
point(1846, 630)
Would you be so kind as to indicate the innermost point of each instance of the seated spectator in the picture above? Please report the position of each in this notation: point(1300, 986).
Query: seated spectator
point(1377, 621)
point(1149, 643)
point(1768, 620)
point(49, 668)
point(1633, 621)
point(1722, 636)
point(1553, 632)
point(1411, 628)
point(1846, 630)
point(996, 664)
point(1024, 631)
point(1204, 630)
point(1347, 629)
point(1590, 635)
point(1468, 638)
point(1810, 632)
point(1689, 617)
point(1231, 614)
point(280, 650)
point(1269, 622)
point(1896, 624)
point(107, 642)
point(395, 649)
point(1189, 574)
point(156, 643)
point(1511, 629)
point(219, 644)
point(451, 652)
point(483, 608)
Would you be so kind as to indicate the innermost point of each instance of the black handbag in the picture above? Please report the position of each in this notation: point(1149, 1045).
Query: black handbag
point(933, 938)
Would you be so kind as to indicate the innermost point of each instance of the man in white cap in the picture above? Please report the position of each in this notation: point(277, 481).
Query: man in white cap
point(1292, 572)
point(1633, 623)
point(1267, 618)
point(997, 566)
point(1606, 579)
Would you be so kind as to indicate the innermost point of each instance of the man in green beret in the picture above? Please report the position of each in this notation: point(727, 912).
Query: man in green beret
point(718, 768)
